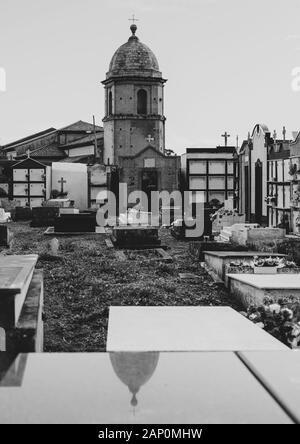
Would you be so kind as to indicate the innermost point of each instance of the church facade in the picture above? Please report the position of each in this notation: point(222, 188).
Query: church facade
point(134, 122)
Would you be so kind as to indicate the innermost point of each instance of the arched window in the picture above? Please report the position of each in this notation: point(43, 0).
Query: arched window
point(110, 103)
point(142, 102)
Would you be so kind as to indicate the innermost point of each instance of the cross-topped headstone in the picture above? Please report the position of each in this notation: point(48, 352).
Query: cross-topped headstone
point(226, 137)
point(149, 138)
point(133, 19)
point(62, 181)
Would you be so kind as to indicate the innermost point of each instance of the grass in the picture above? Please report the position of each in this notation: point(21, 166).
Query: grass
point(85, 279)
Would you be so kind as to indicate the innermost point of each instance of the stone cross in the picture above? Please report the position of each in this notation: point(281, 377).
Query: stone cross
point(62, 181)
point(226, 136)
point(149, 138)
point(133, 19)
point(284, 132)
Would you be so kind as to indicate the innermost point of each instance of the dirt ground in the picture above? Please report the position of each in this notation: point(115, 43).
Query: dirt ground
point(86, 278)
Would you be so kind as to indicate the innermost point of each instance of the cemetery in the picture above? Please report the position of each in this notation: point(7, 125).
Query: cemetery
point(135, 320)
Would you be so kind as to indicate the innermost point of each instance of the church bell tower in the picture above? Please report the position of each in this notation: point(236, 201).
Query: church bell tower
point(134, 102)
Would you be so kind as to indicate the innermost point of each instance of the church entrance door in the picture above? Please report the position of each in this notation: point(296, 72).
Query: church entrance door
point(149, 183)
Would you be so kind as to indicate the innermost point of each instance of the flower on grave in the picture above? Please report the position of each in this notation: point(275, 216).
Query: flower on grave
point(281, 319)
point(287, 313)
point(274, 308)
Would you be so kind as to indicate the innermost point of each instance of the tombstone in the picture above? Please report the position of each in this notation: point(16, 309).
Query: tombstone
point(132, 237)
point(44, 216)
point(59, 203)
point(54, 246)
point(229, 204)
point(4, 217)
point(5, 236)
point(23, 214)
point(75, 223)
point(71, 179)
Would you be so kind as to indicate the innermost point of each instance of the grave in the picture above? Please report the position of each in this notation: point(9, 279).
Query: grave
point(60, 203)
point(141, 329)
point(257, 238)
point(21, 300)
point(5, 236)
point(217, 260)
point(197, 249)
point(75, 223)
point(226, 216)
point(279, 372)
point(135, 388)
point(228, 232)
point(135, 217)
point(44, 216)
point(4, 217)
point(135, 237)
point(151, 255)
point(23, 213)
point(253, 288)
point(15, 277)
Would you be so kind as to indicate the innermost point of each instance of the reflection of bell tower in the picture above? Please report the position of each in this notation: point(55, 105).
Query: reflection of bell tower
point(134, 369)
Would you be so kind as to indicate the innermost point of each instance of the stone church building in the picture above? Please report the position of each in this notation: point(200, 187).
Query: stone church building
point(134, 122)
point(130, 148)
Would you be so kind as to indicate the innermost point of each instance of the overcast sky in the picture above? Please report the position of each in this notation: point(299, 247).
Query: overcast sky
point(228, 63)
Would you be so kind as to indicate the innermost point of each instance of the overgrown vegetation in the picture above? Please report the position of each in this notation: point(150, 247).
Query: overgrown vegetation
point(86, 278)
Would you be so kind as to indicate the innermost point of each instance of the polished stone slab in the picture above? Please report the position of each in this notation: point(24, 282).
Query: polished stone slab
point(185, 329)
point(129, 388)
point(280, 373)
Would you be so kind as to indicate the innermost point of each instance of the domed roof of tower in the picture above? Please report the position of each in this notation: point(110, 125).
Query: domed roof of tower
point(133, 58)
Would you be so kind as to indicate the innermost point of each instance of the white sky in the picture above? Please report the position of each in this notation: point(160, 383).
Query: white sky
point(228, 63)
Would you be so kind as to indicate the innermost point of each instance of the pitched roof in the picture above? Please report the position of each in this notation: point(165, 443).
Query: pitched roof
point(29, 138)
point(45, 151)
point(80, 125)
